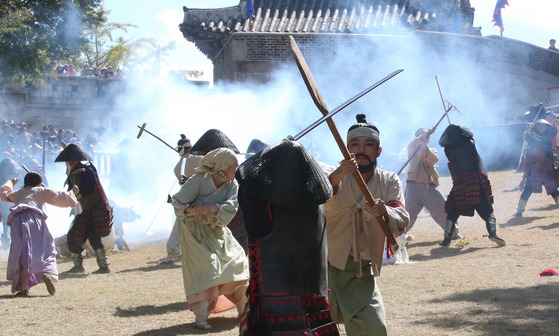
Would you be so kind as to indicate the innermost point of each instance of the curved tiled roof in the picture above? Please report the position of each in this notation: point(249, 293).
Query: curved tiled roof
point(208, 28)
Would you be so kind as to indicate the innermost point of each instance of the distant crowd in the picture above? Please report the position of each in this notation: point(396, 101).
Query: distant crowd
point(87, 71)
point(23, 145)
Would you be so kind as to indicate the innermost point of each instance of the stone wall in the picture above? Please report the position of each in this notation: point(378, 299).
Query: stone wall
point(491, 79)
point(529, 69)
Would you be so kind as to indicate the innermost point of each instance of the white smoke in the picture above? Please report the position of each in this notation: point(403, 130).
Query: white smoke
point(282, 107)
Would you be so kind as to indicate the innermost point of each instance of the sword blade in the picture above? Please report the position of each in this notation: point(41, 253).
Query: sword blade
point(344, 105)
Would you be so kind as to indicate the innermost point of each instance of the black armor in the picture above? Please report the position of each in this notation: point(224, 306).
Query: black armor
point(460, 149)
point(281, 192)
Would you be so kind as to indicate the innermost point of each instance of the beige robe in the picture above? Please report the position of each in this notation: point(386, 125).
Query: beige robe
point(422, 165)
point(192, 161)
point(211, 256)
point(39, 195)
point(347, 218)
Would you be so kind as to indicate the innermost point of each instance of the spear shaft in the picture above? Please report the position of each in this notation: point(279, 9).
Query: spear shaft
point(321, 104)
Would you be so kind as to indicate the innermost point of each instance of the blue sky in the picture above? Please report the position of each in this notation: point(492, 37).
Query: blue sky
point(533, 21)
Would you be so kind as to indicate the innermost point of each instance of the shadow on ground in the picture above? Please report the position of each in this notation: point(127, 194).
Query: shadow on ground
point(549, 207)
point(519, 221)
point(438, 252)
point(13, 296)
point(155, 267)
point(219, 324)
point(547, 227)
point(503, 311)
point(515, 189)
point(151, 310)
point(62, 275)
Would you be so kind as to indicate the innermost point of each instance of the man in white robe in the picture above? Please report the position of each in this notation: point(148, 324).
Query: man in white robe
point(355, 239)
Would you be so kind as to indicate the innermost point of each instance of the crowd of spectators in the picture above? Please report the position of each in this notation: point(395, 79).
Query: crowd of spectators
point(20, 144)
point(103, 73)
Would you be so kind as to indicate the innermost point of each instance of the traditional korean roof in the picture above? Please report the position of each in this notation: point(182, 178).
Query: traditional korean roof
point(209, 28)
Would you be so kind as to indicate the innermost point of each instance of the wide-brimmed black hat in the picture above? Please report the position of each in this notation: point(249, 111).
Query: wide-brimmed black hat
point(72, 152)
point(285, 174)
point(211, 140)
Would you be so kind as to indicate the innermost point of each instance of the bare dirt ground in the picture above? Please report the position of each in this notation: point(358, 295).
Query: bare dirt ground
point(479, 289)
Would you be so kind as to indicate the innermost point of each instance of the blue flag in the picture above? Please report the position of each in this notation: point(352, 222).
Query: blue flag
point(497, 18)
point(250, 9)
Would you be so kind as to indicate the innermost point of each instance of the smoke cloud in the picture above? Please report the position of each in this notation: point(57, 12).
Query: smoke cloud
point(141, 170)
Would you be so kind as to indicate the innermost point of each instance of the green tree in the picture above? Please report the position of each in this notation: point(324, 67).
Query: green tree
point(101, 48)
point(104, 49)
point(35, 34)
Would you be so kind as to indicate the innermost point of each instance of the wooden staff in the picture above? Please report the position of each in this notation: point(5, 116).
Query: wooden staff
point(321, 104)
point(442, 99)
point(143, 129)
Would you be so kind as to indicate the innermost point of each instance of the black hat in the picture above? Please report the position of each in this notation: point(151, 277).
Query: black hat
point(285, 174)
point(183, 145)
point(550, 130)
point(211, 140)
point(184, 142)
point(455, 135)
point(72, 152)
point(255, 146)
point(536, 111)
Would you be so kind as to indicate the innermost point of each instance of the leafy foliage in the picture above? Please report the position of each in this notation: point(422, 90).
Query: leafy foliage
point(104, 49)
point(34, 34)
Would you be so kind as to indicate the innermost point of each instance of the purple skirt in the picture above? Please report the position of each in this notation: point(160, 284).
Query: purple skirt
point(32, 252)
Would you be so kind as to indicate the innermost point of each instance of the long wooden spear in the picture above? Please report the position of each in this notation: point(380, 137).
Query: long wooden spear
point(442, 99)
point(321, 104)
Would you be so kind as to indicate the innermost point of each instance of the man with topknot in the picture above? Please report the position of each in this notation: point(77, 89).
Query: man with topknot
point(356, 240)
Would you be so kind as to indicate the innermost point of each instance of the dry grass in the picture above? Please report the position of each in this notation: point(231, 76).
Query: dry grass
point(476, 290)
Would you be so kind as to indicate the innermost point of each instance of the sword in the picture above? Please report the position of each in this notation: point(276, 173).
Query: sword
point(321, 105)
point(342, 106)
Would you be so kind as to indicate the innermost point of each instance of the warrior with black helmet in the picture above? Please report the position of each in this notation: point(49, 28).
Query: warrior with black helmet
point(96, 217)
point(281, 192)
point(539, 167)
point(471, 189)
